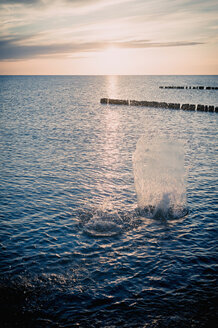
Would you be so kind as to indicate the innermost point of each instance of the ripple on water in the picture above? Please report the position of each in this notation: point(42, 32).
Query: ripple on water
point(110, 265)
point(102, 227)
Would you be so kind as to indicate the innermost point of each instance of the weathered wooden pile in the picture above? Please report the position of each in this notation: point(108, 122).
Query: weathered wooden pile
point(156, 104)
point(200, 87)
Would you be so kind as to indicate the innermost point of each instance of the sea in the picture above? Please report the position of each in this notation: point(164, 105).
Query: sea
point(108, 213)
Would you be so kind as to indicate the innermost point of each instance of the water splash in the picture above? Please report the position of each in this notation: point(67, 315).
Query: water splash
point(103, 221)
point(102, 227)
point(159, 177)
point(108, 222)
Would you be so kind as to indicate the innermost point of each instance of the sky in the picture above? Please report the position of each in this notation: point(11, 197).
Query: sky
point(92, 37)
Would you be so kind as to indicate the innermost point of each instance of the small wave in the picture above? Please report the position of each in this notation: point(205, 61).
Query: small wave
point(107, 223)
point(102, 228)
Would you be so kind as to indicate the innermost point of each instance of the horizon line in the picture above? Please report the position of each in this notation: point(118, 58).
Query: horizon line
point(108, 74)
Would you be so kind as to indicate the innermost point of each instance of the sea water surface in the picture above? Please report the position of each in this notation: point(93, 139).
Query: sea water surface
point(75, 248)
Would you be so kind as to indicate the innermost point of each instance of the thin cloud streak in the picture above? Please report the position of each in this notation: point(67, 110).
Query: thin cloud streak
point(20, 2)
point(10, 50)
point(28, 2)
point(148, 44)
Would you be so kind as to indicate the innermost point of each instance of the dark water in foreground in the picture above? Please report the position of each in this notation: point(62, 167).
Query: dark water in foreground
point(75, 251)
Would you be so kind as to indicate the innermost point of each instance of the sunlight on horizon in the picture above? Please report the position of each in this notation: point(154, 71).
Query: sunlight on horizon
point(112, 60)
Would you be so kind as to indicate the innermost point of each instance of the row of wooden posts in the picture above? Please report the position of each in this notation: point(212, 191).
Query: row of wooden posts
point(200, 87)
point(156, 104)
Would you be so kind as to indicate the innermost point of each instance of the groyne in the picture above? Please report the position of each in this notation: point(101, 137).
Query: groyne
point(199, 87)
point(157, 104)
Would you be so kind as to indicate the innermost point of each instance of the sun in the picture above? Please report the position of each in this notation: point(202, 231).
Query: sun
point(112, 59)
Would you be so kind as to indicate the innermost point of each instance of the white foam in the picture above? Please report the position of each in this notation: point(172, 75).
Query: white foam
point(159, 176)
point(103, 226)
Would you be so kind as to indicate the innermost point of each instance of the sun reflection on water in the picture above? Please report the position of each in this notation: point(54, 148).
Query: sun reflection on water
point(112, 86)
point(110, 154)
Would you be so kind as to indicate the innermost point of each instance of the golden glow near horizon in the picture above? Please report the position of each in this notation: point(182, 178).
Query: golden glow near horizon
point(113, 60)
point(108, 37)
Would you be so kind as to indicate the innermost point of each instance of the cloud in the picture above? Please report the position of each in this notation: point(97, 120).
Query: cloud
point(16, 2)
point(148, 44)
point(81, 2)
point(9, 50)
point(67, 2)
point(12, 48)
